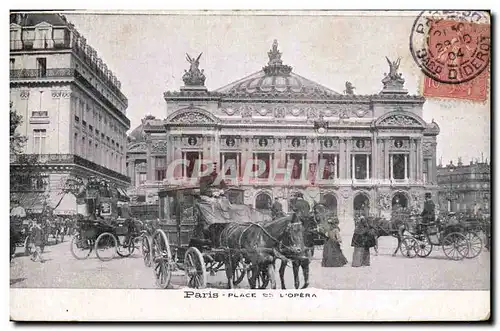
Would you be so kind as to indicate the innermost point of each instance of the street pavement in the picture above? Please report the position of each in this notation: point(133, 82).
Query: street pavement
point(62, 270)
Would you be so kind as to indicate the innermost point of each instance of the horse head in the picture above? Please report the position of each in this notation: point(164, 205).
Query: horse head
point(293, 238)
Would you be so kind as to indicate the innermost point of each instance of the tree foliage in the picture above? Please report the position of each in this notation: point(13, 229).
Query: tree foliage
point(27, 181)
point(17, 141)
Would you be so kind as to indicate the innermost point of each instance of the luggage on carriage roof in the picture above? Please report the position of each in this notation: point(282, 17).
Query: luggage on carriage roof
point(220, 210)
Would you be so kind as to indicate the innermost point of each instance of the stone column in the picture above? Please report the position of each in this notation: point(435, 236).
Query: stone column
point(353, 166)
point(374, 160)
point(406, 166)
point(419, 157)
point(342, 162)
point(149, 159)
point(386, 159)
point(367, 166)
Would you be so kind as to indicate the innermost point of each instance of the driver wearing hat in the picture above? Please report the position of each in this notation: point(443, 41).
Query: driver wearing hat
point(428, 214)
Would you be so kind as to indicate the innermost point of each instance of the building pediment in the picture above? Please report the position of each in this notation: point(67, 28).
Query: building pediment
point(191, 115)
point(137, 148)
point(400, 119)
point(43, 25)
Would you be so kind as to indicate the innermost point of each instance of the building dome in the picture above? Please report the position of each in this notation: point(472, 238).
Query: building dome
point(276, 79)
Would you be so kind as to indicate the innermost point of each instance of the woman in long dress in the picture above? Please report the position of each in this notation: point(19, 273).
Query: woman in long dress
point(362, 240)
point(332, 253)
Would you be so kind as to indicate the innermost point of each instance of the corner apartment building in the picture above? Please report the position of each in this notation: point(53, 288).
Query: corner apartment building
point(74, 113)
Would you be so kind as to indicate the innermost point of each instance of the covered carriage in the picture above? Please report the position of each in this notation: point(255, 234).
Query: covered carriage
point(193, 232)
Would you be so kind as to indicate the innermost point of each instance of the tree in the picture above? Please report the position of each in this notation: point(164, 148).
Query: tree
point(17, 141)
point(27, 182)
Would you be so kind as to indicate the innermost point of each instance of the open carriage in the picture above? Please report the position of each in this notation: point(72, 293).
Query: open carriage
point(191, 233)
point(459, 239)
point(104, 224)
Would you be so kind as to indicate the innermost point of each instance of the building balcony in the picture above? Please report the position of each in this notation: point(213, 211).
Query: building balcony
point(69, 74)
point(39, 44)
point(70, 159)
point(42, 73)
point(39, 117)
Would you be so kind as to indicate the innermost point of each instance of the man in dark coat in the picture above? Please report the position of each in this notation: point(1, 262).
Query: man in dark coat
point(301, 206)
point(428, 214)
point(276, 208)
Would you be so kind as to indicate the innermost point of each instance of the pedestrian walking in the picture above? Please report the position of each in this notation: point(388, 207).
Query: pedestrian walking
point(362, 240)
point(332, 252)
point(37, 242)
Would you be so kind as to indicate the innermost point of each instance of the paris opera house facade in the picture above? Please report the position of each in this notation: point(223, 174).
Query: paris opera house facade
point(352, 152)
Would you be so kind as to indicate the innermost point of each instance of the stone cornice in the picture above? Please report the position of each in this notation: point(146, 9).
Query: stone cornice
point(290, 97)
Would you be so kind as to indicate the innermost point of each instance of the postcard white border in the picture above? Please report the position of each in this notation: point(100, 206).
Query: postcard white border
point(171, 305)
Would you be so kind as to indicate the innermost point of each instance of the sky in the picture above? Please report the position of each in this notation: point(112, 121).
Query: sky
point(147, 53)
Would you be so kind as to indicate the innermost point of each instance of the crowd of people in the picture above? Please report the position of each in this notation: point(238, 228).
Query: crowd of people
point(38, 229)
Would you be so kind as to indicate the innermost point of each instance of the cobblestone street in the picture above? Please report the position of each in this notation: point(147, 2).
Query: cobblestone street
point(62, 270)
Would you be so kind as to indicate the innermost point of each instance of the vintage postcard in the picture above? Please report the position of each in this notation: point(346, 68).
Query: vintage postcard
point(250, 165)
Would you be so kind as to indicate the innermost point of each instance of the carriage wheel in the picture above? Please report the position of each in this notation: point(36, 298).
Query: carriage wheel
point(146, 250)
point(194, 267)
point(125, 249)
point(106, 246)
point(80, 248)
point(474, 245)
point(162, 259)
point(239, 273)
point(455, 246)
point(408, 245)
point(423, 247)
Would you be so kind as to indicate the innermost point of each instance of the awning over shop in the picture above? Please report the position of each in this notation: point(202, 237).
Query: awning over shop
point(18, 211)
point(122, 195)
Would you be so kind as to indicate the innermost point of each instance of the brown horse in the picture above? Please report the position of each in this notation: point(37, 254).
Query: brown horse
point(260, 244)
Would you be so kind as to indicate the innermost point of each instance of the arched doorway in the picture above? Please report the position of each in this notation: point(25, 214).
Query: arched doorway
point(361, 205)
point(399, 201)
point(263, 201)
point(330, 201)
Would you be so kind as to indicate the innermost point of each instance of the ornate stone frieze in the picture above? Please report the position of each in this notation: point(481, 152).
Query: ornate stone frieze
point(312, 112)
point(384, 201)
point(399, 144)
point(279, 112)
point(362, 144)
point(192, 118)
point(246, 111)
point(159, 146)
point(24, 94)
point(141, 147)
point(399, 120)
point(230, 110)
point(295, 111)
point(428, 148)
point(56, 94)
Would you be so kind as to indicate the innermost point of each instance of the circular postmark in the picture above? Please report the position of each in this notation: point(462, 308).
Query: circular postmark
point(451, 47)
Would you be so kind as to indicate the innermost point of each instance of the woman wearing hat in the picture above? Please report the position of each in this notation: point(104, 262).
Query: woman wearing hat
point(332, 253)
point(362, 240)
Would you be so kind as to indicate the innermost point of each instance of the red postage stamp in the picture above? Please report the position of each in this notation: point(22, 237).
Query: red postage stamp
point(453, 51)
point(475, 90)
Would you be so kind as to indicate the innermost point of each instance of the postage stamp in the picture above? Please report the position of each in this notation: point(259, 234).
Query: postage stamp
point(249, 166)
point(453, 48)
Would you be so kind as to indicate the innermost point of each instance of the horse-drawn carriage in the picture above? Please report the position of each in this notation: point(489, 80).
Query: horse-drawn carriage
point(201, 234)
point(103, 224)
point(459, 238)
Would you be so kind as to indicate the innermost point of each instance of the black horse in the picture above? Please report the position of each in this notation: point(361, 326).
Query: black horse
point(310, 223)
point(382, 227)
